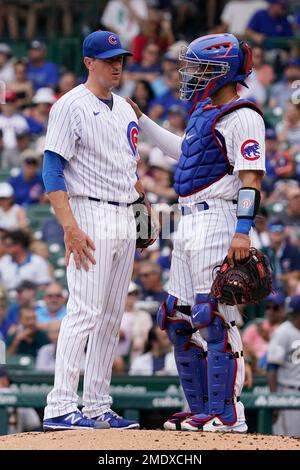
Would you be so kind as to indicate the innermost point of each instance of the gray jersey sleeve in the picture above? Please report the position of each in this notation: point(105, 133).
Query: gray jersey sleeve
point(278, 348)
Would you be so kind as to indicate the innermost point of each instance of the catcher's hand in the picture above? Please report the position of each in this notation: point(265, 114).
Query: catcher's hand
point(247, 281)
point(146, 226)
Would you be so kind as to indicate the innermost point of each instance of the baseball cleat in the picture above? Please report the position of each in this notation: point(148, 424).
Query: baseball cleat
point(115, 421)
point(74, 420)
point(174, 422)
point(216, 425)
point(196, 422)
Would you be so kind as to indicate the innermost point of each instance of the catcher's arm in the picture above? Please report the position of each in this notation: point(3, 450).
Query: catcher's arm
point(240, 244)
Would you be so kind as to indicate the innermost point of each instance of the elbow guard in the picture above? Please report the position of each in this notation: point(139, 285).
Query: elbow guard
point(247, 208)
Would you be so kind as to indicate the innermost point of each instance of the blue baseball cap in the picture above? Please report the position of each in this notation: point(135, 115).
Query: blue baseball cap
point(103, 45)
point(276, 298)
point(271, 133)
point(294, 305)
point(276, 225)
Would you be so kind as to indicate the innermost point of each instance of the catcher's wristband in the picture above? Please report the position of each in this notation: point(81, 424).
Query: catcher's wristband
point(247, 208)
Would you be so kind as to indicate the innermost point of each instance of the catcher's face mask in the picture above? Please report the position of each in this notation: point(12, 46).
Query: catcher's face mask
point(197, 74)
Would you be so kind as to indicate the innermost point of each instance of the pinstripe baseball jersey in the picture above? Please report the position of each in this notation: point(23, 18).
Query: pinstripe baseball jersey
point(99, 145)
point(243, 131)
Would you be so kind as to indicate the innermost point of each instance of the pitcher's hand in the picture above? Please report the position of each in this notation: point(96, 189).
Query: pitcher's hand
point(135, 107)
point(239, 248)
point(80, 244)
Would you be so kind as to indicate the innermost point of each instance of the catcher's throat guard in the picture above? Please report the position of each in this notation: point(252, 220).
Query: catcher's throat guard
point(248, 281)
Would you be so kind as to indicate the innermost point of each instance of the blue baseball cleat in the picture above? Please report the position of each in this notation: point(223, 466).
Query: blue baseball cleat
point(115, 421)
point(74, 420)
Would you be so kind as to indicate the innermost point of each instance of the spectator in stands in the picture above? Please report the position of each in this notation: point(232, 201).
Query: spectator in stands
point(143, 94)
point(6, 67)
point(28, 184)
point(51, 12)
point(9, 17)
point(258, 82)
point(26, 292)
point(157, 29)
point(283, 369)
point(282, 91)
point(40, 248)
point(20, 264)
point(158, 358)
point(291, 216)
point(125, 17)
point(4, 323)
point(289, 129)
point(260, 231)
point(12, 216)
point(271, 22)
point(169, 63)
point(20, 419)
point(24, 143)
point(45, 360)
point(7, 73)
point(55, 306)
point(40, 72)
point(135, 326)
point(27, 339)
point(237, 14)
point(284, 257)
point(11, 122)
point(149, 67)
point(257, 335)
point(158, 183)
point(38, 114)
point(21, 85)
point(150, 276)
point(66, 83)
point(52, 231)
point(160, 106)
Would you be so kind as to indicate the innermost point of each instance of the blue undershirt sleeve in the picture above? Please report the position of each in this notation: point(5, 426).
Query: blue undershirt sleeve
point(53, 172)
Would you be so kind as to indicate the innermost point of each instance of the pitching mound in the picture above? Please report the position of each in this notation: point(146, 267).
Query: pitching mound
point(111, 439)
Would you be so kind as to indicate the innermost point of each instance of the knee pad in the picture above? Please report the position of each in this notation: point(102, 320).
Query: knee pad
point(202, 313)
point(166, 309)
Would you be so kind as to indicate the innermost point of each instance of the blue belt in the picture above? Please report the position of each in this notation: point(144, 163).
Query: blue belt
point(200, 207)
point(114, 203)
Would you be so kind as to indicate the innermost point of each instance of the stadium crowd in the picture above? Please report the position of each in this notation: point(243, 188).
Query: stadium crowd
point(33, 295)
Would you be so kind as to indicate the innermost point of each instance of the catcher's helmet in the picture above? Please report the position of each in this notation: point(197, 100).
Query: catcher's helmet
point(212, 61)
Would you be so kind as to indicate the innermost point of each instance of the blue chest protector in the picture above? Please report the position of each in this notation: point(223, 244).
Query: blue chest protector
point(203, 160)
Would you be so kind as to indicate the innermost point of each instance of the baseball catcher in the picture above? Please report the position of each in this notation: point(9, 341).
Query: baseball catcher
point(220, 166)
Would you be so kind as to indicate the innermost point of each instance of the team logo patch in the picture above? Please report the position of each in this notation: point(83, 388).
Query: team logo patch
point(112, 39)
point(132, 136)
point(246, 204)
point(250, 150)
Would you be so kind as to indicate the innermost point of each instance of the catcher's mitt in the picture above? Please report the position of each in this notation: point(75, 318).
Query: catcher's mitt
point(248, 281)
point(146, 229)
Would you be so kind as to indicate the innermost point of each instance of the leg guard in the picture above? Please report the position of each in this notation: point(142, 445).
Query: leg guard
point(221, 362)
point(190, 358)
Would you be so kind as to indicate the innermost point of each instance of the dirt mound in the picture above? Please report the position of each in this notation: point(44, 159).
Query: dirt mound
point(112, 439)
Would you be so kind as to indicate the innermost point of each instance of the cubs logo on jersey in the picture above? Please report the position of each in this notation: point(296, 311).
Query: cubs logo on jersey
point(132, 136)
point(250, 150)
